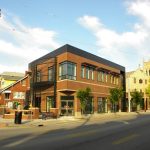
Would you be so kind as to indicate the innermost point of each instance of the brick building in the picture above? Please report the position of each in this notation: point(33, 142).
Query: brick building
point(16, 92)
point(57, 76)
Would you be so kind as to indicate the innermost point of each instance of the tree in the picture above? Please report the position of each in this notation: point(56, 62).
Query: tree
point(148, 91)
point(115, 95)
point(83, 96)
point(137, 98)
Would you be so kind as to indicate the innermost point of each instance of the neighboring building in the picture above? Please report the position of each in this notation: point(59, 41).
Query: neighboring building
point(7, 78)
point(17, 92)
point(138, 80)
point(57, 76)
point(146, 68)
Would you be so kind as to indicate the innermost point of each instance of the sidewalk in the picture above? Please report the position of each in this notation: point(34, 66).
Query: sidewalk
point(9, 123)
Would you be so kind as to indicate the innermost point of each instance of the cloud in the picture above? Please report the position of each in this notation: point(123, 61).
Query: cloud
point(21, 41)
point(126, 48)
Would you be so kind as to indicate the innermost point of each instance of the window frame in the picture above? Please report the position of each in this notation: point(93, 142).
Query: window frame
point(64, 74)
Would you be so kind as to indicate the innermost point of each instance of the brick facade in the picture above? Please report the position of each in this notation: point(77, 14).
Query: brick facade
point(113, 76)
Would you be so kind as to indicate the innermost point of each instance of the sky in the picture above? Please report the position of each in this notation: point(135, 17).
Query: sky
point(117, 30)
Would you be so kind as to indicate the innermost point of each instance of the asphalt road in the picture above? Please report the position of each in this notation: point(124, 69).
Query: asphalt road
point(117, 134)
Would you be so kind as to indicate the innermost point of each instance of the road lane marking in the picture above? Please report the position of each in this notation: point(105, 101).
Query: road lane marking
point(18, 142)
point(125, 122)
point(125, 139)
point(74, 135)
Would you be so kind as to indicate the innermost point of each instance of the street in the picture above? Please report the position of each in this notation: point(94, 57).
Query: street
point(126, 133)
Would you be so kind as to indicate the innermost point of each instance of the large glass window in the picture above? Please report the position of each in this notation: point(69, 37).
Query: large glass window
point(67, 70)
point(50, 74)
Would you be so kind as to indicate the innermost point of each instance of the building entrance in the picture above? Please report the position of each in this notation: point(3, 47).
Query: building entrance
point(67, 105)
point(101, 105)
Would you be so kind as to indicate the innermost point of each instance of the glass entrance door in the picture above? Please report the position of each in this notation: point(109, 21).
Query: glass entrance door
point(67, 105)
point(38, 102)
point(89, 109)
point(101, 105)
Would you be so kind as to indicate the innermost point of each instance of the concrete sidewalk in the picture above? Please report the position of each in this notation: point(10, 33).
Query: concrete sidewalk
point(9, 123)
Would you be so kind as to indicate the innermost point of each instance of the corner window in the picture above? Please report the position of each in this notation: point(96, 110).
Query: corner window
point(67, 70)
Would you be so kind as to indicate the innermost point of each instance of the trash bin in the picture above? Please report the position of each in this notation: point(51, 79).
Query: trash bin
point(18, 117)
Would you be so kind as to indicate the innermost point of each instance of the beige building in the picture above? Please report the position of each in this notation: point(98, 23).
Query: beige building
point(138, 80)
point(8, 78)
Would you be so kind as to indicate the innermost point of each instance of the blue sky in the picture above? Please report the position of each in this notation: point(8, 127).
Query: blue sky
point(118, 30)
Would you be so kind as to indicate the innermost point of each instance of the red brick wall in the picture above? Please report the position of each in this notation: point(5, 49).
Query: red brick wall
point(18, 87)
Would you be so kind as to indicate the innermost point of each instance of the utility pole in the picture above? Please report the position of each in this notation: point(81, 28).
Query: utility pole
point(129, 96)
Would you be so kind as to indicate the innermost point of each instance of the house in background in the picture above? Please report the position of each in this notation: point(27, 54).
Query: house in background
point(7, 78)
point(17, 92)
point(56, 77)
point(138, 80)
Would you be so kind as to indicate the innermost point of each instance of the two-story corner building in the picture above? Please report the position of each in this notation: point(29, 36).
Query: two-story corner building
point(7, 78)
point(138, 80)
point(18, 91)
point(56, 77)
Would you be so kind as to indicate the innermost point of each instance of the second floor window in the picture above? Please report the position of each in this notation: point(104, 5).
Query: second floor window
point(92, 73)
point(38, 76)
point(82, 71)
point(87, 73)
point(7, 96)
point(50, 74)
point(67, 70)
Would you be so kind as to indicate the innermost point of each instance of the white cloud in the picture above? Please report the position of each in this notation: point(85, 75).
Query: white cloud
point(21, 41)
point(126, 48)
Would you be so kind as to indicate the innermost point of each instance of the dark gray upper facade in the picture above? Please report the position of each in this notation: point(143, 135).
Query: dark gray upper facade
point(79, 52)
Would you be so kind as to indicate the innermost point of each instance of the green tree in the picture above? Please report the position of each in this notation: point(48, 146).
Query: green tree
point(83, 96)
point(137, 98)
point(115, 95)
point(148, 91)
